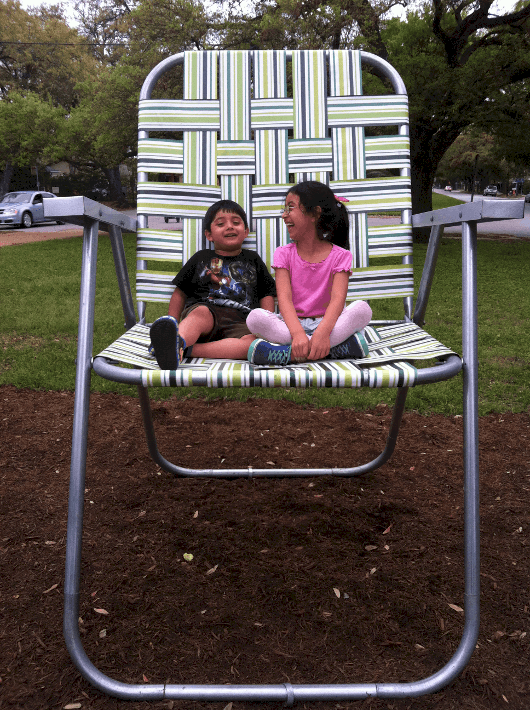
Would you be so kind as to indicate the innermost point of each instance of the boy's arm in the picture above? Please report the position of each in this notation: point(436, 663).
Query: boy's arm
point(267, 303)
point(176, 304)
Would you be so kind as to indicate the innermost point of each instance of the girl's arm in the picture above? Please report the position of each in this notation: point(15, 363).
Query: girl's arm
point(320, 338)
point(300, 346)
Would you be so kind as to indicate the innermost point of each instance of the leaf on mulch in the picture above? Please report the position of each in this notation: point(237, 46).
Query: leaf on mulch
point(72, 706)
point(212, 569)
point(456, 608)
point(337, 592)
point(54, 586)
point(101, 611)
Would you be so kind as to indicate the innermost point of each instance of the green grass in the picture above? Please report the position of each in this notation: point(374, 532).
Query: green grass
point(39, 294)
point(439, 201)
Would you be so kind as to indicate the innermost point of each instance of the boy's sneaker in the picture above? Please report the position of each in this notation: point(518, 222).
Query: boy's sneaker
point(261, 352)
point(353, 348)
point(166, 343)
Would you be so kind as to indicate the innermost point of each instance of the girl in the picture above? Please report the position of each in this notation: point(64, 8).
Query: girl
point(312, 282)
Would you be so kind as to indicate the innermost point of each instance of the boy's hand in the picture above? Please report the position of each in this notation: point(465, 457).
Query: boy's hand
point(319, 345)
point(300, 347)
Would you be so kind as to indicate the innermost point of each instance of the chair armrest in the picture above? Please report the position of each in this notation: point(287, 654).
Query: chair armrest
point(479, 211)
point(75, 209)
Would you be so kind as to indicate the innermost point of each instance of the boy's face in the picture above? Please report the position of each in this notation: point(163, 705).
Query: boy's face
point(228, 233)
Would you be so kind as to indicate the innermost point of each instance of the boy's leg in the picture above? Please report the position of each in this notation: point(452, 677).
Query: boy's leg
point(169, 340)
point(198, 322)
point(227, 348)
point(268, 326)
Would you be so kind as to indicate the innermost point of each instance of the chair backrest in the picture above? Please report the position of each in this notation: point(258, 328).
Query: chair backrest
point(238, 134)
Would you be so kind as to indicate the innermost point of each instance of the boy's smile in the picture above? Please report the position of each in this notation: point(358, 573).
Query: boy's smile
point(228, 232)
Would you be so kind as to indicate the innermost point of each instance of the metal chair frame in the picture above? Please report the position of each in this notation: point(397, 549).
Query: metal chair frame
point(93, 217)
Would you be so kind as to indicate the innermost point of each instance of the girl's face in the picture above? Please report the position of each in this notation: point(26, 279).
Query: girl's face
point(300, 224)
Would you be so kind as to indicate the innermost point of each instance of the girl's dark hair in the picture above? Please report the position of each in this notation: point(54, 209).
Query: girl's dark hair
point(333, 224)
point(223, 206)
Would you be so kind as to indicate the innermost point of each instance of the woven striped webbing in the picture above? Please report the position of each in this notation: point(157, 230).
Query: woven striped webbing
point(391, 347)
point(246, 139)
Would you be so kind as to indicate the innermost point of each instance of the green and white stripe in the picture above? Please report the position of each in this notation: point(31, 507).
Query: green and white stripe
point(178, 115)
point(373, 195)
point(390, 240)
point(381, 282)
point(367, 110)
point(309, 94)
point(159, 244)
point(235, 158)
point(387, 152)
point(310, 154)
point(160, 156)
point(178, 199)
point(154, 286)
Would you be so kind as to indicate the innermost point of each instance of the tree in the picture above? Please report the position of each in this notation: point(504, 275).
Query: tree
point(41, 54)
point(29, 133)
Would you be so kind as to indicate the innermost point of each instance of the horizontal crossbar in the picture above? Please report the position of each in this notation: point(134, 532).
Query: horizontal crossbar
point(75, 209)
point(483, 210)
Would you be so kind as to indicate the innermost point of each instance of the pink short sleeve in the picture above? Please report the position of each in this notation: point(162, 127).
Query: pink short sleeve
point(343, 261)
point(282, 257)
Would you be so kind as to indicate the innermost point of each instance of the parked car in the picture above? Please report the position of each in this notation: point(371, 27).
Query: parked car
point(527, 198)
point(24, 208)
point(448, 188)
point(490, 191)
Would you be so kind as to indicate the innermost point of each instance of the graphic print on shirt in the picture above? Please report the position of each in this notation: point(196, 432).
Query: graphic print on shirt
point(230, 284)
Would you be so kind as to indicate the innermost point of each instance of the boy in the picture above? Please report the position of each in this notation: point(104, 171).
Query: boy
point(214, 293)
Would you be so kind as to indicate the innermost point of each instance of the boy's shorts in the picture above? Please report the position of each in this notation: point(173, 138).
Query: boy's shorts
point(227, 322)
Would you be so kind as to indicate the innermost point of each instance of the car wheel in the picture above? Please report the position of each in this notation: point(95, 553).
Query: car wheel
point(27, 220)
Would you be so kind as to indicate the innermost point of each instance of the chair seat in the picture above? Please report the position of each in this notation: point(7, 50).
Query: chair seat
point(392, 348)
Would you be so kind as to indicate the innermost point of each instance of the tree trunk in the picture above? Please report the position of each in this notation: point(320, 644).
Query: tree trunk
point(427, 148)
point(117, 193)
point(5, 180)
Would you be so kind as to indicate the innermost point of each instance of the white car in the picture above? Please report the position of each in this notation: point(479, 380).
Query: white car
point(24, 208)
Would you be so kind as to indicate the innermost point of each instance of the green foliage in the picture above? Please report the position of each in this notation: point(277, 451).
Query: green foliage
point(29, 129)
point(38, 342)
point(39, 53)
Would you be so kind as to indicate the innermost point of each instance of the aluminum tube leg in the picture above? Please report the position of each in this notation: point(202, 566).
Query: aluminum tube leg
point(122, 274)
point(80, 425)
point(427, 275)
point(471, 455)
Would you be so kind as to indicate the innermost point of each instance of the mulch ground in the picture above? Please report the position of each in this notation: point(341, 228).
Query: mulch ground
point(292, 580)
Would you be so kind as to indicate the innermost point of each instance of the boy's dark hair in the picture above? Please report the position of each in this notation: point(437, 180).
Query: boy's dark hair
point(223, 206)
point(333, 224)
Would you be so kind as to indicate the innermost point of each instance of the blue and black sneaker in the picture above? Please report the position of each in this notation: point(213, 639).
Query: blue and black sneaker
point(166, 343)
point(353, 348)
point(261, 352)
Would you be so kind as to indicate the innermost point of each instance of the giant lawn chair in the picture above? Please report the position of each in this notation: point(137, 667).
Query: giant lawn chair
point(239, 133)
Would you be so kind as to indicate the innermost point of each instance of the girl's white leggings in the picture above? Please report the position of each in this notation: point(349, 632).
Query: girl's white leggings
point(271, 326)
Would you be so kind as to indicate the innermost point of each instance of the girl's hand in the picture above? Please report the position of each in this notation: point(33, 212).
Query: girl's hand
point(319, 345)
point(300, 347)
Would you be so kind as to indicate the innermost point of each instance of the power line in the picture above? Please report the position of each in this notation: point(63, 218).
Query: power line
point(67, 44)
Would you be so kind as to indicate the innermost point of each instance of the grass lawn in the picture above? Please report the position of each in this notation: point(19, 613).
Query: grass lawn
point(39, 293)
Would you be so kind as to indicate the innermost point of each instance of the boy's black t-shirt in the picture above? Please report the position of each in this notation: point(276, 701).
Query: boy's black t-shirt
point(236, 281)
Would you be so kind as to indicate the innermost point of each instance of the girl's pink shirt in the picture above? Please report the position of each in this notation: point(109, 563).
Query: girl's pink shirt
point(311, 283)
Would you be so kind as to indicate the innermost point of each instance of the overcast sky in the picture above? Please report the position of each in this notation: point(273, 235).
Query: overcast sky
point(500, 6)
